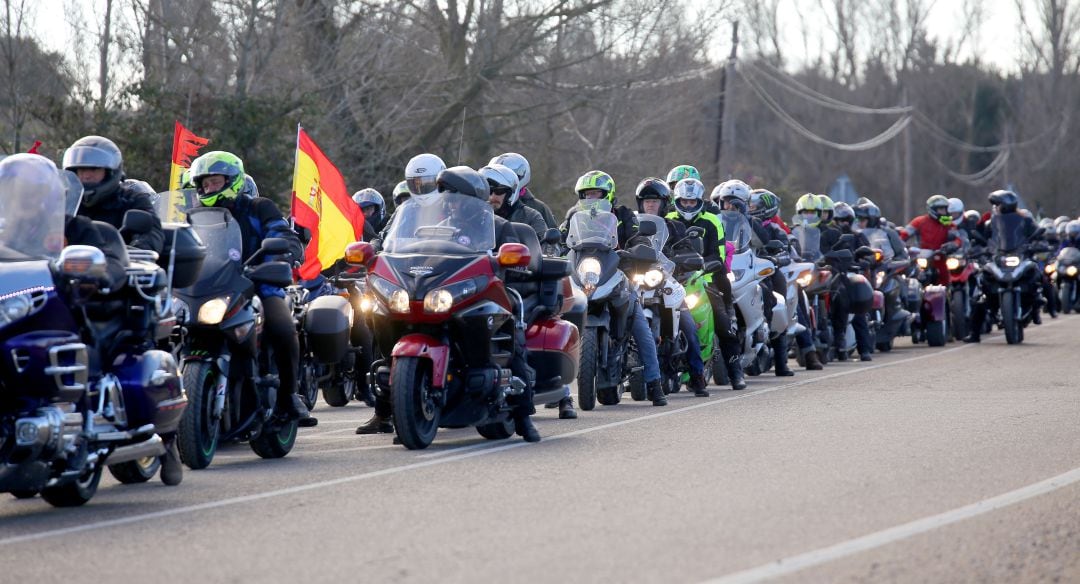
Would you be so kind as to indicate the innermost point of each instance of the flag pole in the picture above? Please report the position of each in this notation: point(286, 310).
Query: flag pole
point(296, 165)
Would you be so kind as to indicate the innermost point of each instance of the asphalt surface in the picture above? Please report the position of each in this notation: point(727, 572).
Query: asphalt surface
point(925, 465)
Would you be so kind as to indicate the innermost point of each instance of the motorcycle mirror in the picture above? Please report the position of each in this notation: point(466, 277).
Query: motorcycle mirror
point(137, 222)
point(83, 263)
point(863, 252)
point(774, 247)
point(277, 274)
point(690, 261)
point(514, 255)
point(551, 236)
point(713, 266)
point(647, 229)
point(359, 253)
point(274, 245)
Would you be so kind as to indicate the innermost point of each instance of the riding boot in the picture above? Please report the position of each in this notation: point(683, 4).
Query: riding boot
point(524, 427)
point(376, 425)
point(656, 393)
point(978, 315)
point(697, 384)
point(780, 349)
point(813, 361)
point(566, 409)
point(735, 374)
point(172, 471)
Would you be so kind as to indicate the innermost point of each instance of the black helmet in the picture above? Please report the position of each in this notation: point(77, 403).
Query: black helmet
point(1005, 201)
point(870, 212)
point(464, 180)
point(96, 152)
point(653, 188)
point(843, 212)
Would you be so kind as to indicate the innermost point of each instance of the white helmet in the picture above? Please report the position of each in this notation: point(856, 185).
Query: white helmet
point(421, 172)
point(956, 209)
point(689, 189)
point(731, 188)
point(520, 166)
point(500, 178)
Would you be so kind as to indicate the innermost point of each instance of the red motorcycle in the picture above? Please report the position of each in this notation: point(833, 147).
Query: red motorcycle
point(445, 308)
point(961, 272)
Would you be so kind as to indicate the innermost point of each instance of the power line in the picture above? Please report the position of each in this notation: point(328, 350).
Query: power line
point(792, 85)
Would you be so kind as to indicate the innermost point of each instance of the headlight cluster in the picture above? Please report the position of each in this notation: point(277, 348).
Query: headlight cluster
point(589, 273)
point(735, 275)
point(213, 312)
point(953, 263)
point(1071, 271)
point(650, 279)
point(440, 300)
point(692, 300)
point(1011, 261)
point(1050, 268)
point(879, 280)
point(396, 298)
point(15, 307)
point(805, 278)
point(922, 263)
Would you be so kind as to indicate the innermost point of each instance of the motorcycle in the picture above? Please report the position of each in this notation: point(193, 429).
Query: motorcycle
point(961, 280)
point(446, 311)
point(72, 408)
point(661, 297)
point(746, 273)
point(886, 273)
point(932, 313)
point(692, 273)
point(324, 327)
point(1066, 269)
point(1010, 277)
point(227, 370)
point(606, 342)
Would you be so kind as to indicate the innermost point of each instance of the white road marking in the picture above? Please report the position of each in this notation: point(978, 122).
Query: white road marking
point(105, 524)
point(884, 537)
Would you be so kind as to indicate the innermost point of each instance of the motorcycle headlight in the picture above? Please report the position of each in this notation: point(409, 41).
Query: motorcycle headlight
point(1050, 268)
point(953, 263)
point(213, 312)
point(589, 271)
point(922, 263)
point(399, 301)
point(1011, 261)
point(441, 299)
point(692, 300)
point(734, 275)
point(438, 301)
point(805, 278)
point(653, 278)
point(1071, 271)
point(395, 297)
point(15, 307)
point(880, 279)
point(366, 304)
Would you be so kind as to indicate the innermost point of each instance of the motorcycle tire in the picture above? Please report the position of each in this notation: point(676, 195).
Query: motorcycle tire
point(136, 471)
point(1065, 295)
point(497, 431)
point(586, 379)
point(308, 386)
point(1009, 322)
point(416, 416)
point(75, 493)
point(936, 333)
point(638, 391)
point(958, 319)
point(275, 441)
point(343, 384)
point(197, 436)
point(24, 493)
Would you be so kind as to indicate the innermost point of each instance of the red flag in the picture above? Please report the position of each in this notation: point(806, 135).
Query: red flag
point(33, 149)
point(322, 204)
point(185, 146)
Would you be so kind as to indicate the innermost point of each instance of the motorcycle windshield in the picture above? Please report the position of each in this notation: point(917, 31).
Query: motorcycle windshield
point(880, 240)
point(1008, 230)
point(172, 206)
point(31, 219)
point(593, 226)
point(809, 239)
point(224, 246)
point(446, 223)
point(659, 240)
point(737, 229)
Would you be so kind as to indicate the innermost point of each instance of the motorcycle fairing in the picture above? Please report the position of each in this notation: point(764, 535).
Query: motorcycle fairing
point(424, 347)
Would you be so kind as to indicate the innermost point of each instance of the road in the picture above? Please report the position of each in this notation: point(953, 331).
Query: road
point(926, 465)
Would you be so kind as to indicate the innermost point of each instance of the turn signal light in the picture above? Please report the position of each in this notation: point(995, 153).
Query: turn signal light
point(359, 253)
point(514, 255)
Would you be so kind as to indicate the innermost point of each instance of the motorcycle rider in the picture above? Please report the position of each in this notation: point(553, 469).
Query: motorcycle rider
point(523, 170)
point(503, 185)
point(595, 185)
point(933, 231)
point(735, 195)
point(652, 198)
point(682, 171)
point(827, 206)
point(868, 216)
point(466, 181)
point(219, 180)
point(373, 206)
point(831, 239)
point(689, 195)
point(1004, 218)
point(107, 192)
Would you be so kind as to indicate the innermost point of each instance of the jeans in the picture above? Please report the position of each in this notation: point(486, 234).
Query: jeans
point(805, 339)
point(646, 344)
point(280, 331)
point(693, 349)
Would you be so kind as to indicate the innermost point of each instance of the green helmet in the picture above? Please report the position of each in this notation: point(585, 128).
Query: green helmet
point(809, 203)
point(680, 172)
point(826, 208)
point(226, 164)
point(401, 193)
point(596, 179)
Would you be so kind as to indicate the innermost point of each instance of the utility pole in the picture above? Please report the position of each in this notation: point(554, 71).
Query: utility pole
point(907, 165)
point(725, 129)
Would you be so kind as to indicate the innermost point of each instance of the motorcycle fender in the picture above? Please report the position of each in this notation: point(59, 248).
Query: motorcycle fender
point(879, 300)
point(424, 347)
point(934, 301)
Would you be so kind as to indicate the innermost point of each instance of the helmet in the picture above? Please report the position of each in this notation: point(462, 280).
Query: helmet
point(731, 189)
point(96, 152)
point(1060, 230)
point(32, 197)
point(421, 173)
point(808, 203)
point(826, 207)
point(401, 193)
point(863, 201)
point(226, 164)
point(956, 209)
point(653, 188)
point(596, 179)
point(764, 204)
point(938, 208)
point(1061, 219)
point(689, 189)
point(1072, 229)
point(501, 180)
point(680, 172)
point(520, 167)
point(972, 216)
point(870, 212)
point(463, 180)
point(370, 198)
point(843, 212)
point(1047, 224)
point(1004, 201)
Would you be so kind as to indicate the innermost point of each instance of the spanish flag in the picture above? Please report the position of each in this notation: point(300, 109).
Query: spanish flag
point(185, 146)
point(322, 204)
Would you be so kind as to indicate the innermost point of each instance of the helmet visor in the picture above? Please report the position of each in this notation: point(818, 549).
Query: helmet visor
point(421, 185)
point(90, 157)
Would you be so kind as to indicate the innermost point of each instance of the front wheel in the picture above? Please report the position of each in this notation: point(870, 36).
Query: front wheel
point(136, 471)
point(308, 386)
point(275, 441)
point(416, 415)
point(958, 312)
point(197, 436)
point(586, 379)
point(1009, 321)
point(935, 333)
point(76, 492)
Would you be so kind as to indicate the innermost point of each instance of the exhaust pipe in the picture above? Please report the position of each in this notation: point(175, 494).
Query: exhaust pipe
point(154, 446)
